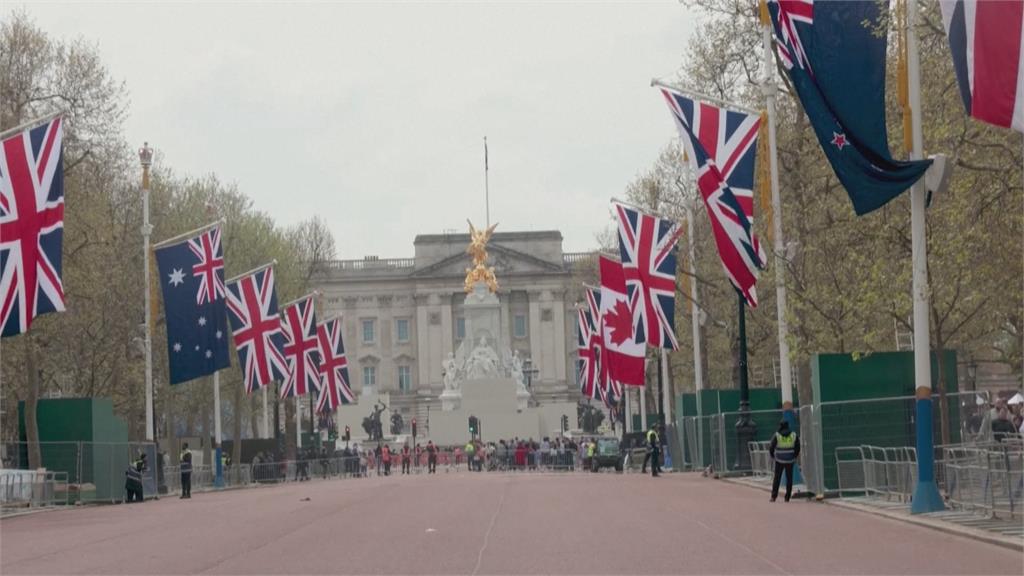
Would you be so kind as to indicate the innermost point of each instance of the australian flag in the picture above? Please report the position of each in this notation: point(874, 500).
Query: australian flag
point(192, 279)
point(835, 58)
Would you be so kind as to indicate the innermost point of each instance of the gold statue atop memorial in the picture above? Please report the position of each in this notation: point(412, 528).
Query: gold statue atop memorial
point(480, 272)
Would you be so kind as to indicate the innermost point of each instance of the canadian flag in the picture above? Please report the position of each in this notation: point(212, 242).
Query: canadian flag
point(621, 353)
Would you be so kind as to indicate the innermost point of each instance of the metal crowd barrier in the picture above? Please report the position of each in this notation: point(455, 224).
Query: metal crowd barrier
point(889, 473)
point(760, 459)
point(33, 489)
point(986, 479)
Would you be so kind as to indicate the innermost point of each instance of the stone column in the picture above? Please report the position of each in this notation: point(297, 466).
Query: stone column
point(535, 342)
point(558, 318)
point(423, 340)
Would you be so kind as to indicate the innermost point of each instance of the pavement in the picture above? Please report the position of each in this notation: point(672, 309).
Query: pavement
point(490, 523)
point(1001, 532)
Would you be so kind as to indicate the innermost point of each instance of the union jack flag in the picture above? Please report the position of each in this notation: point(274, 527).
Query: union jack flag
point(588, 371)
point(300, 348)
point(723, 145)
point(259, 338)
point(31, 226)
point(791, 50)
point(605, 387)
point(206, 247)
point(647, 245)
point(334, 382)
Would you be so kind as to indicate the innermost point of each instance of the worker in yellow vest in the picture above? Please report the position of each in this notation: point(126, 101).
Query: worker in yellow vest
point(784, 449)
point(653, 452)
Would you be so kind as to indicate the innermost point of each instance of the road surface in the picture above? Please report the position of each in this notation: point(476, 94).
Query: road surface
point(465, 523)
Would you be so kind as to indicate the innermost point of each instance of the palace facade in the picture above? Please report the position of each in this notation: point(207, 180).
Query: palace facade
point(403, 316)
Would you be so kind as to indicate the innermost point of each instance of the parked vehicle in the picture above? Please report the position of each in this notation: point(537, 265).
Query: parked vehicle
point(607, 455)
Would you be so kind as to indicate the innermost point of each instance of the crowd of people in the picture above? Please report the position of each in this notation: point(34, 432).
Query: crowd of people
point(1006, 420)
point(520, 454)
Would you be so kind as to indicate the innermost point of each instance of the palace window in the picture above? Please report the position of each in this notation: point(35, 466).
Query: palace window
point(404, 379)
point(519, 326)
point(369, 377)
point(402, 329)
point(369, 331)
point(460, 328)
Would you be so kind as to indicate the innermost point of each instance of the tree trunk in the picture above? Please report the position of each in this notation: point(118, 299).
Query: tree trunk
point(253, 416)
point(289, 429)
point(35, 458)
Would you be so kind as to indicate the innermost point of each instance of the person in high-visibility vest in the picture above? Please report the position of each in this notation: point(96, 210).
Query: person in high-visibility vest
point(784, 449)
point(653, 452)
point(185, 462)
point(591, 449)
point(470, 454)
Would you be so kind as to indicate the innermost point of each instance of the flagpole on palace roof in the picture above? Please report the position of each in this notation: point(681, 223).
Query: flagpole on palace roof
point(926, 496)
point(487, 185)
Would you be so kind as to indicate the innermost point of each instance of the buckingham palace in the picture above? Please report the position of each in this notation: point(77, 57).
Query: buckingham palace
point(404, 316)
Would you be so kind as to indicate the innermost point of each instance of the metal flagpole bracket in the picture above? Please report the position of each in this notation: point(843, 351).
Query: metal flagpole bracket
point(300, 298)
point(251, 272)
point(699, 96)
point(186, 235)
point(25, 125)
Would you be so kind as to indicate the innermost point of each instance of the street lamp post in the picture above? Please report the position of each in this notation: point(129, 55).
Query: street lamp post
point(146, 160)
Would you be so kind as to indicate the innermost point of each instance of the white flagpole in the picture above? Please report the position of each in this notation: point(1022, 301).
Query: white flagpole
point(666, 393)
point(298, 422)
point(926, 494)
point(698, 367)
point(146, 159)
point(629, 408)
point(643, 407)
point(780, 245)
point(219, 476)
point(266, 414)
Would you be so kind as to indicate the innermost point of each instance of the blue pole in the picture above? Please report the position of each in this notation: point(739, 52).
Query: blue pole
point(218, 479)
point(926, 494)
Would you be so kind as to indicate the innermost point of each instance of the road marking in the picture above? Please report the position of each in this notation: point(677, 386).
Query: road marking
point(487, 535)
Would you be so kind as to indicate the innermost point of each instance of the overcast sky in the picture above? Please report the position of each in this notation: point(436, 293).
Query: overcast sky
point(373, 115)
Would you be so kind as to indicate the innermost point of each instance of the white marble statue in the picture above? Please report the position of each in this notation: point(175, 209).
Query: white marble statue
point(517, 372)
point(483, 361)
point(451, 374)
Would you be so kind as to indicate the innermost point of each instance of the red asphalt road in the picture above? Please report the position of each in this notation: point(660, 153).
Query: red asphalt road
point(487, 524)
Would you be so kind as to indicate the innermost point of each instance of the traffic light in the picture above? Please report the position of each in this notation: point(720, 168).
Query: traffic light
point(565, 423)
point(413, 427)
point(348, 433)
point(473, 423)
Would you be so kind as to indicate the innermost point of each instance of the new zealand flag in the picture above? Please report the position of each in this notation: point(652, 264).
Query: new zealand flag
point(835, 57)
point(192, 279)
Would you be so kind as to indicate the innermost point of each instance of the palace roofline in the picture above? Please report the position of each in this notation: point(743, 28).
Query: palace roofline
point(497, 237)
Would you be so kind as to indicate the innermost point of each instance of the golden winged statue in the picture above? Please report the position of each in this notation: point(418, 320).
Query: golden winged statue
point(477, 248)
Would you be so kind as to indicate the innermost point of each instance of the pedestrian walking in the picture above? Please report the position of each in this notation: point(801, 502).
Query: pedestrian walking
point(431, 458)
point(185, 465)
point(784, 449)
point(406, 459)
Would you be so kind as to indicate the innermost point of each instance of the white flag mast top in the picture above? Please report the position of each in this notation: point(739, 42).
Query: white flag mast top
point(487, 187)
